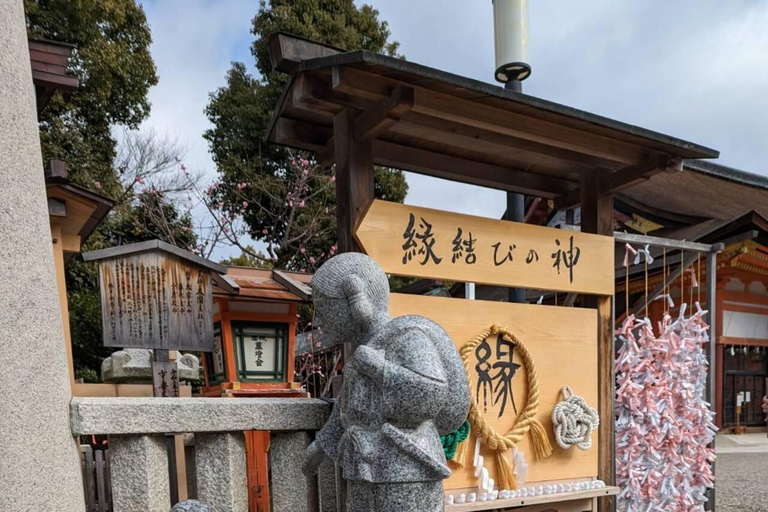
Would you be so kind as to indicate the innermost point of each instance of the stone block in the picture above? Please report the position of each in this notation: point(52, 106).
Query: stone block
point(221, 472)
point(135, 365)
point(192, 506)
point(288, 485)
point(118, 416)
point(326, 484)
point(139, 469)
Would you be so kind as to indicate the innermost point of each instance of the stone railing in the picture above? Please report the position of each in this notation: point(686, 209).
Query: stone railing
point(139, 460)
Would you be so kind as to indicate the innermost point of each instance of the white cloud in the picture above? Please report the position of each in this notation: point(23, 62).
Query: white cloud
point(691, 68)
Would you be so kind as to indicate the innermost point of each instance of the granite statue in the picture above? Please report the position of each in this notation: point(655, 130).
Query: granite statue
point(404, 386)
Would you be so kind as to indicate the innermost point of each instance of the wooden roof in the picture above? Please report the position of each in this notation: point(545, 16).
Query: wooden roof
point(703, 191)
point(264, 284)
point(76, 209)
point(49, 60)
point(154, 245)
point(440, 124)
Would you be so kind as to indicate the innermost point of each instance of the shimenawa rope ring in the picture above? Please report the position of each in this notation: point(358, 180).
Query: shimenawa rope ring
point(574, 421)
point(524, 422)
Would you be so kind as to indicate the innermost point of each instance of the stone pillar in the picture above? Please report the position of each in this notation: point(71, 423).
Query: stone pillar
point(222, 479)
point(40, 468)
point(326, 482)
point(289, 487)
point(139, 469)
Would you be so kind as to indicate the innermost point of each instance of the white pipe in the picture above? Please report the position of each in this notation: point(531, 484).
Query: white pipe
point(510, 23)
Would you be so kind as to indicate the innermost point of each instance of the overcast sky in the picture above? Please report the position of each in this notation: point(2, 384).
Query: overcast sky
point(694, 69)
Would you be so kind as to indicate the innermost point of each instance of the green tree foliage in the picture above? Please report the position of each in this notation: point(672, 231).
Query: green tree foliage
point(246, 260)
point(112, 61)
point(266, 177)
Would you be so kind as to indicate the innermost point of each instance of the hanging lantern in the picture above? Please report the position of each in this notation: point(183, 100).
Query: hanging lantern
point(733, 350)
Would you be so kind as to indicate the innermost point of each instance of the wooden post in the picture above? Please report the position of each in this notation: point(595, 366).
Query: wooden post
point(354, 179)
point(354, 194)
point(597, 217)
point(58, 257)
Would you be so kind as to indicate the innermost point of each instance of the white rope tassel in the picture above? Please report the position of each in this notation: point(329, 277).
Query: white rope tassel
point(574, 421)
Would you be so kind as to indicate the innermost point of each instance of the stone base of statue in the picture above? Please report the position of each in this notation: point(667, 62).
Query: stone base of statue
point(409, 497)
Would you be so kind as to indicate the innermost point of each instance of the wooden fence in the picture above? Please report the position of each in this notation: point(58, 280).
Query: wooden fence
point(96, 479)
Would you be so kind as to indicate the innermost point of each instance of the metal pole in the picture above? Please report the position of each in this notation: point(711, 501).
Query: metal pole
point(712, 350)
point(515, 207)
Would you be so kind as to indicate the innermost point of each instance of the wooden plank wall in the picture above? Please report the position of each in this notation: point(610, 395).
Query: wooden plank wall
point(96, 479)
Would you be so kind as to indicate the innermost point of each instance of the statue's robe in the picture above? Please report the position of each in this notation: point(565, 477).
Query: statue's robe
point(387, 424)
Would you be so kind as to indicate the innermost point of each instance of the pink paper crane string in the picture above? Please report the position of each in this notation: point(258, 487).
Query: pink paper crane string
point(664, 425)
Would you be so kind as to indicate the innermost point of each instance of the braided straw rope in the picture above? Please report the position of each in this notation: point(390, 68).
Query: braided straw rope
point(574, 421)
point(524, 422)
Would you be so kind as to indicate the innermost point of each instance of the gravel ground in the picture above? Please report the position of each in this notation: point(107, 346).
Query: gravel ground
point(742, 482)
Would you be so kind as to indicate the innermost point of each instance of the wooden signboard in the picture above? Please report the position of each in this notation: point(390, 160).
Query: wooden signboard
point(165, 379)
point(157, 296)
point(563, 344)
point(433, 244)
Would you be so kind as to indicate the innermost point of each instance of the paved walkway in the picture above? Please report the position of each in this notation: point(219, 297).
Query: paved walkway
point(742, 473)
point(745, 443)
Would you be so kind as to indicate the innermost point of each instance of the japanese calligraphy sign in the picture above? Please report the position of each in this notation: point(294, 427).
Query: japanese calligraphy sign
point(165, 379)
point(562, 342)
point(421, 242)
point(155, 299)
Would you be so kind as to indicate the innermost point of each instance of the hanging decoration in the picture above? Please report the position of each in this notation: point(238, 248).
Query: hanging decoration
point(574, 421)
point(664, 425)
point(451, 441)
point(525, 421)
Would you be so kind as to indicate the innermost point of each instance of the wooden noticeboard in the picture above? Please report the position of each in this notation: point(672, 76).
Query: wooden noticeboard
point(434, 244)
point(157, 296)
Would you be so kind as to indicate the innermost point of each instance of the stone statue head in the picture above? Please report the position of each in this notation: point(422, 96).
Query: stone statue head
point(350, 293)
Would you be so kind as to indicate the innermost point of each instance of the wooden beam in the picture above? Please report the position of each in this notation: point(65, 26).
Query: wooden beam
point(747, 235)
point(314, 96)
point(471, 136)
point(597, 217)
point(379, 118)
point(463, 170)
point(374, 87)
point(226, 284)
point(613, 182)
point(634, 174)
point(287, 51)
point(311, 94)
point(70, 243)
point(389, 154)
point(354, 179)
point(302, 135)
point(297, 288)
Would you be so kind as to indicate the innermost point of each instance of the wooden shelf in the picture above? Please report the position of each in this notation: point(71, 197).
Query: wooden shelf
point(535, 500)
